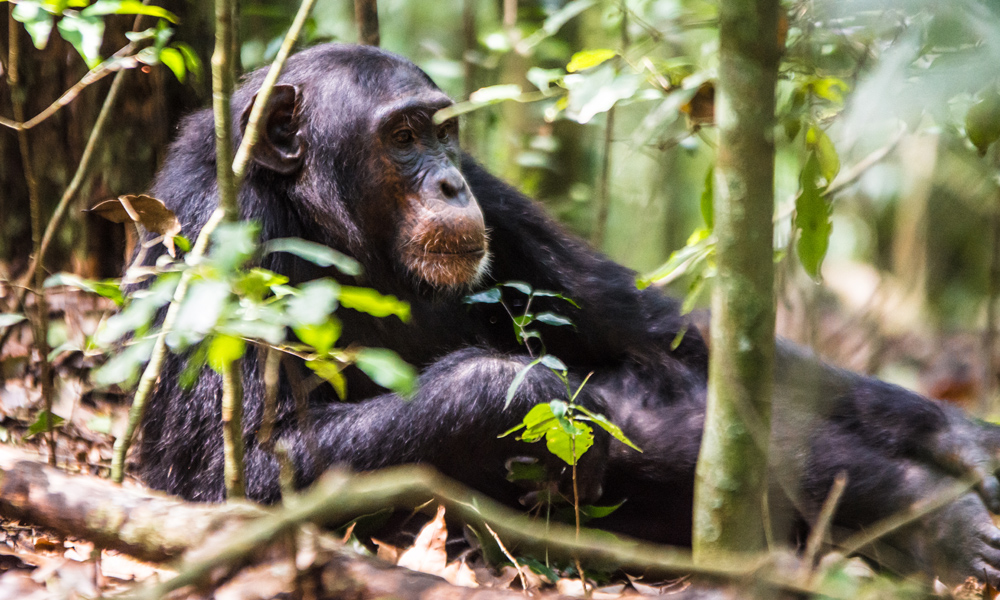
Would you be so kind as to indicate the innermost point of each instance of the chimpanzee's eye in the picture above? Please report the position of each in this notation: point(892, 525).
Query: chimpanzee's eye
point(403, 137)
point(447, 129)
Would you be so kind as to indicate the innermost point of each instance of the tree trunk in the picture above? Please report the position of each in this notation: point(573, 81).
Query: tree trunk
point(729, 513)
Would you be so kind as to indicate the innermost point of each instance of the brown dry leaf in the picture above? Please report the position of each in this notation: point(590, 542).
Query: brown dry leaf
point(45, 543)
point(460, 574)
point(427, 554)
point(989, 592)
point(260, 582)
point(700, 109)
point(571, 587)
point(18, 585)
point(387, 552)
point(486, 578)
point(121, 566)
point(149, 212)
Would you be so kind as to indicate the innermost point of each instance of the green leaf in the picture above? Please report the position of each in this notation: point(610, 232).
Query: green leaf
point(257, 283)
point(551, 318)
point(314, 303)
point(597, 91)
point(42, 425)
point(138, 36)
point(694, 292)
point(139, 312)
point(982, 122)
point(387, 369)
point(537, 422)
point(37, 22)
point(608, 426)
point(322, 337)
point(127, 7)
point(525, 471)
point(553, 363)
point(182, 243)
point(707, 194)
point(522, 321)
point(517, 427)
point(812, 219)
point(84, 33)
point(539, 567)
point(123, 368)
point(495, 93)
point(315, 253)
point(543, 78)
point(233, 244)
point(8, 319)
point(830, 88)
point(490, 296)
point(570, 442)
point(223, 351)
point(586, 59)
point(108, 288)
point(193, 368)
point(191, 60)
point(554, 23)
point(203, 307)
point(100, 424)
point(520, 286)
point(174, 60)
point(256, 328)
point(598, 512)
point(369, 301)
point(681, 261)
point(550, 294)
point(518, 380)
point(332, 372)
point(826, 153)
point(523, 335)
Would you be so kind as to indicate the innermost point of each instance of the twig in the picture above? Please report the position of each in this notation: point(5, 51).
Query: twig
point(252, 131)
point(822, 526)
point(40, 324)
point(366, 14)
point(916, 511)
point(152, 370)
point(93, 76)
point(603, 195)
point(987, 402)
point(222, 91)
point(272, 376)
point(510, 557)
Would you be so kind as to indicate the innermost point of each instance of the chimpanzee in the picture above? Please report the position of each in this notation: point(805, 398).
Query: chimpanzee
point(351, 157)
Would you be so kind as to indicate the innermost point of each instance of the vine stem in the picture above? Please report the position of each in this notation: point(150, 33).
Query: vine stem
point(40, 324)
point(152, 371)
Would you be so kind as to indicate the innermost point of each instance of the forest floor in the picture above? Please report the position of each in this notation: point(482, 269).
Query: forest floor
point(38, 563)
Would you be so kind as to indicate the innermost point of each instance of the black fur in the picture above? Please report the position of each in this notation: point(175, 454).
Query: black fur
point(895, 447)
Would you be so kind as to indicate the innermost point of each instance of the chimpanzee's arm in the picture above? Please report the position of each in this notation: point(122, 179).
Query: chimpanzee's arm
point(452, 423)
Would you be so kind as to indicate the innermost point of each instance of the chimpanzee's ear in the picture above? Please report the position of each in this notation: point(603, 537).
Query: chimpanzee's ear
point(280, 147)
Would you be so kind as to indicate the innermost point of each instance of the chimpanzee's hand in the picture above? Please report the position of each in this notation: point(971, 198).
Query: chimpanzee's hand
point(966, 447)
point(953, 543)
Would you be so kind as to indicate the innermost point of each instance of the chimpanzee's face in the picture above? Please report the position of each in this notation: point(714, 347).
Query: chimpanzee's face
point(357, 128)
point(440, 235)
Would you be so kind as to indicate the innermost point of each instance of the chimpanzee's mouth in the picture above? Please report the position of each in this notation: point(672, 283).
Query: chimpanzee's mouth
point(460, 252)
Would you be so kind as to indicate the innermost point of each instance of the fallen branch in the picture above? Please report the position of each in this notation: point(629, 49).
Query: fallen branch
point(146, 525)
point(221, 538)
